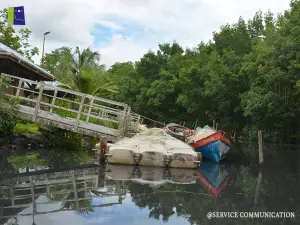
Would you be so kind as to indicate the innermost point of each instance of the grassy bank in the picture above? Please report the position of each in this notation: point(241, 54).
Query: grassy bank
point(47, 135)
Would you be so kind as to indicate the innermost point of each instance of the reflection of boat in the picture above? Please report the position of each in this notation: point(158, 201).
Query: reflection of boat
point(214, 145)
point(214, 177)
point(152, 175)
point(177, 131)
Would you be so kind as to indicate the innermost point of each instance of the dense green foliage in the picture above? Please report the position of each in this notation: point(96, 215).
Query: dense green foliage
point(245, 77)
point(6, 105)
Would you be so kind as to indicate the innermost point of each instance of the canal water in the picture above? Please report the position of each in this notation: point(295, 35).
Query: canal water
point(56, 187)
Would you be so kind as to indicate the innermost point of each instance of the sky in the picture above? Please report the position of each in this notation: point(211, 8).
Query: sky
point(124, 30)
point(127, 214)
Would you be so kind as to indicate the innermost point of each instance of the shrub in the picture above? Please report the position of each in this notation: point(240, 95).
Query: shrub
point(28, 128)
point(7, 123)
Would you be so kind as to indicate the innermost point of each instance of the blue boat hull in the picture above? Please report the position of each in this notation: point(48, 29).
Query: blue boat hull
point(214, 151)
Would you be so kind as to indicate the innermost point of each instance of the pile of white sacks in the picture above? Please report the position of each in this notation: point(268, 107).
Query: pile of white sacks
point(153, 147)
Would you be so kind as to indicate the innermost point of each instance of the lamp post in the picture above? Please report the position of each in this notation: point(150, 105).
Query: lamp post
point(46, 33)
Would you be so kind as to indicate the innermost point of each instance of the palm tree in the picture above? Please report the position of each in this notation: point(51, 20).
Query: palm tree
point(84, 60)
point(82, 72)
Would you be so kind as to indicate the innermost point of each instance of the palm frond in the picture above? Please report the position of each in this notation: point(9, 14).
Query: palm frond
point(64, 86)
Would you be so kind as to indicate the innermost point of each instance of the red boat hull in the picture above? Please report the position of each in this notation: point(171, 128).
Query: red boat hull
point(213, 147)
point(218, 136)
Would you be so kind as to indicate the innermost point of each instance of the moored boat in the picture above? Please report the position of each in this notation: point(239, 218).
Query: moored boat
point(153, 147)
point(214, 145)
point(178, 131)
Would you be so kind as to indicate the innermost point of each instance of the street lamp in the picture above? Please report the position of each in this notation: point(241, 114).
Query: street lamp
point(46, 33)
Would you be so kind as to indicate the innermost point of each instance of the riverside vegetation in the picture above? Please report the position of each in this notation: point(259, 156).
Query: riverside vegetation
point(246, 77)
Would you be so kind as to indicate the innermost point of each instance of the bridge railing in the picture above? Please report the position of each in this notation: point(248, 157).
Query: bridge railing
point(70, 104)
point(69, 188)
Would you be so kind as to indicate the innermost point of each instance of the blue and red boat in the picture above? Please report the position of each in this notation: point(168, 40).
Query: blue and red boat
point(214, 177)
point(214, 145)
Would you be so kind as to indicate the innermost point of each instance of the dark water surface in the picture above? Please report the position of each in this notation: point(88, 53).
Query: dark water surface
point(131, 195)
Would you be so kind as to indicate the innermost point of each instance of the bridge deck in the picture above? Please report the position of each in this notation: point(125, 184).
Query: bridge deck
point(71, 110)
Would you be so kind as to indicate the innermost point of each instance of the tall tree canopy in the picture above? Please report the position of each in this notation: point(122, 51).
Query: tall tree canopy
point(247, 77)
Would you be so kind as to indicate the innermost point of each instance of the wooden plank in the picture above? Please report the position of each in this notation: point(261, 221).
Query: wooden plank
point(60, 181)
point(38, 102)
point(79, 112)
point(90, 109)
point(23, 98)
point(91, 96)
point(53, 101)
point(88, 129)
point(19, 88)
point(75, 189)
point(25, 89)
point(71, 92)
point(103, 147)
point(19, 78)
point(50, 178)
point(60, 210)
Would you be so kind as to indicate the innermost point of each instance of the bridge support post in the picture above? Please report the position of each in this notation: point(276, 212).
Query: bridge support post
point(37, 106)
point(75, 190)
point(128, 120)
point(122, 119)
point(79, 112)
point(19, 88)
point(103, 147)
point(53, 101)
point(90, 110)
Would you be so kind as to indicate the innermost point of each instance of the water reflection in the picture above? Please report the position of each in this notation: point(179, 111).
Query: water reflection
point(83, 190)
point(215, 177)
point(118, 194)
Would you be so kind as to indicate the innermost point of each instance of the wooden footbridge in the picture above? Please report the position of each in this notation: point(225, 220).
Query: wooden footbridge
point(22, 195)
point(71, 110)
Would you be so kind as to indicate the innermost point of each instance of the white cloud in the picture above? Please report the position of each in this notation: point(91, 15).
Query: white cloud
point(110, 24)
point(186, 21)
point(121, 49)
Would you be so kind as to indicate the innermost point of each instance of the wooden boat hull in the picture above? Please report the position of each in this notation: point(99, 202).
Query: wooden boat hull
point(170, 129)
point(213, 147)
